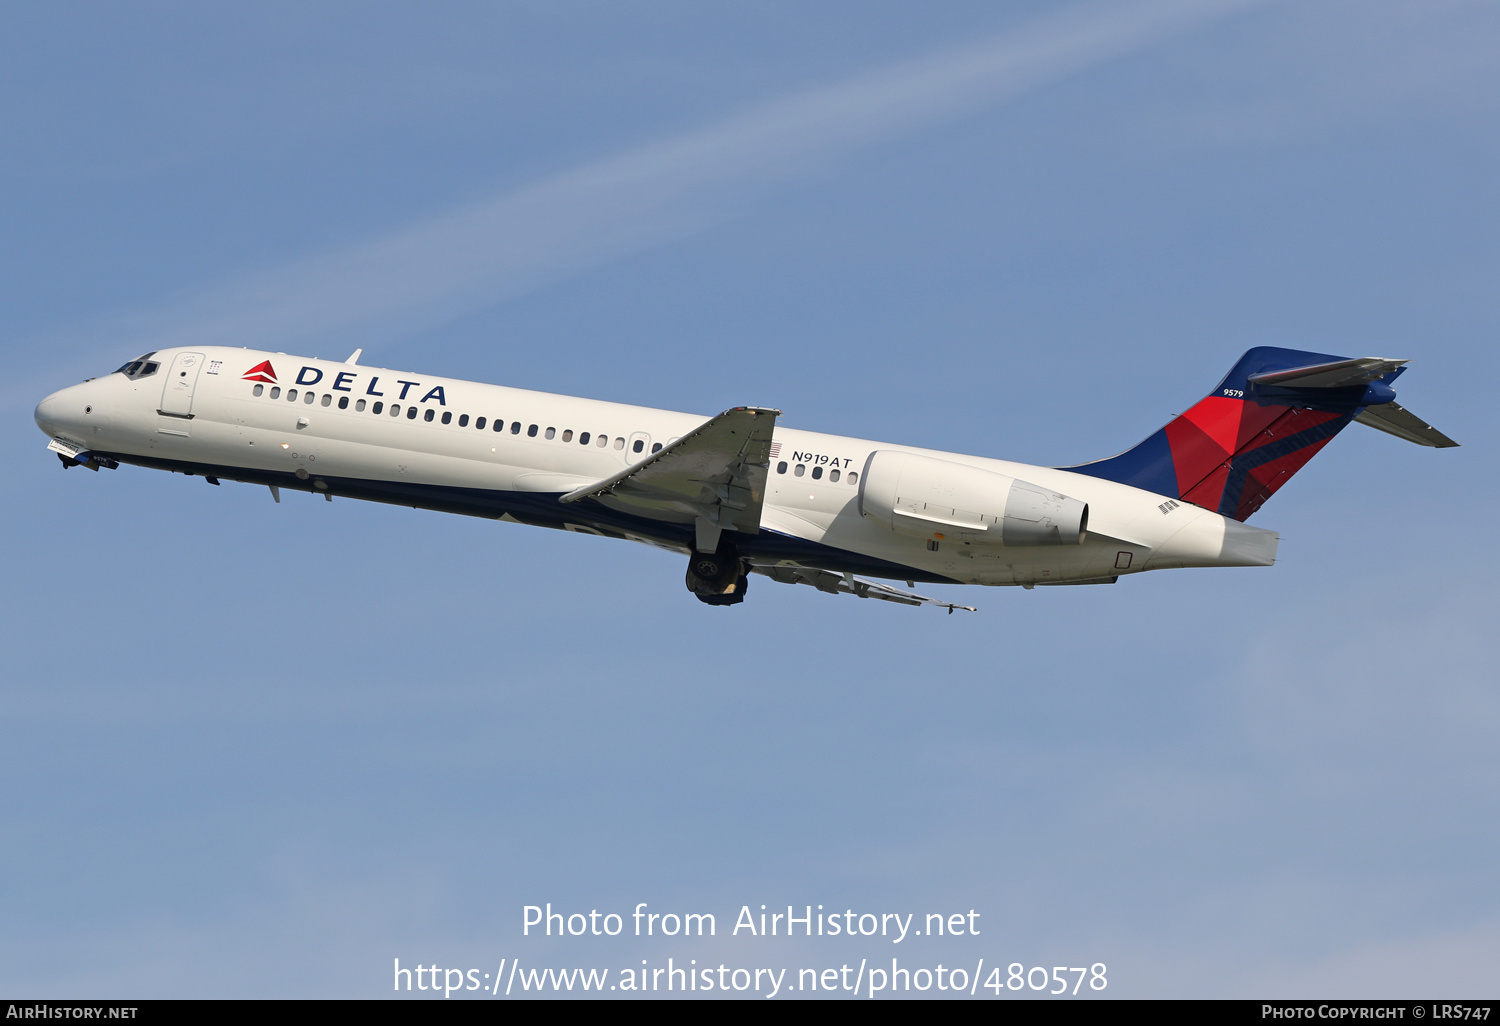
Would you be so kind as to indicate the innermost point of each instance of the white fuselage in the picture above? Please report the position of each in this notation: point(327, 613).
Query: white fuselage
point(313, 425)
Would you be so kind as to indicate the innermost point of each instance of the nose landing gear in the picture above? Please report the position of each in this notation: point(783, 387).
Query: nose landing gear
point(718, 578)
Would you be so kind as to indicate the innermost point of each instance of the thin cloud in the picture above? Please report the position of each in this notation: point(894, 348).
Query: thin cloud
point(473, 257)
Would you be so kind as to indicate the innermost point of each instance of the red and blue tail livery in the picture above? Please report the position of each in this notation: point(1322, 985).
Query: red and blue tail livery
point(1271, 414)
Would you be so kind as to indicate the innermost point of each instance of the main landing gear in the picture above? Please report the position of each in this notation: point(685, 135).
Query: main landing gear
point(719, 578)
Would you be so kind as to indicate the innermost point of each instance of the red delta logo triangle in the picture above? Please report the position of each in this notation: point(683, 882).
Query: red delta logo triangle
point(262, 371)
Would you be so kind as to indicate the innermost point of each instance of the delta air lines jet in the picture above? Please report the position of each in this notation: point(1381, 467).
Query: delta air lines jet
point(737, 493)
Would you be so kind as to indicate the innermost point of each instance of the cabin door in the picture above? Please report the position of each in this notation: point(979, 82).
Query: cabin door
point(182, 378)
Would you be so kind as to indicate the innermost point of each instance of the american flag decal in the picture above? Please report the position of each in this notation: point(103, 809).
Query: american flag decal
point(775, 449)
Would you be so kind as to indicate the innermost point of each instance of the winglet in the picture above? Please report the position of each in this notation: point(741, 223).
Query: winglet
point(354, 356)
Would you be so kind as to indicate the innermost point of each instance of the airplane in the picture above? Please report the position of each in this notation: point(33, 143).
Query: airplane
point(737, 493)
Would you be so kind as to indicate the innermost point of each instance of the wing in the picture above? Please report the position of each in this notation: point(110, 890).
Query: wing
point(713, 477)
point(848, 584)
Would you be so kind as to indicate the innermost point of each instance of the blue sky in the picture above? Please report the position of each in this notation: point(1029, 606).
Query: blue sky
point(261, 750)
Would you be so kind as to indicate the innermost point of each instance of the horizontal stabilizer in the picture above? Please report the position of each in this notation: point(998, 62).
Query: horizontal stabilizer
point(1401, 422)
point(1338, 374)
point(848, 584)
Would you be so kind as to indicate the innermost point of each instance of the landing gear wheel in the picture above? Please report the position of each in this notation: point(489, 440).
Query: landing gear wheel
point(718, 578)
point(732, 598)
point(711, 567)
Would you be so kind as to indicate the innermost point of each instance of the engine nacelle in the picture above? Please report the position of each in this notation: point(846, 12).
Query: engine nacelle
point(921, 496)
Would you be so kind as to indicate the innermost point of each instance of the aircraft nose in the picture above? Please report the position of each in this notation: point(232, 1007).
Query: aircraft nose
point(69, 412)
point(47, 413)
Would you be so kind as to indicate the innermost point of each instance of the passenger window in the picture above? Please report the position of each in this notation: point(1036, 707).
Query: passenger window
point(602, 441)
point(275, 391)
point(833, 475)
point(260, 390)
point(817, 473)
point(428, 415)
point(291, 395)
point(411, 413)
point(395, 410)
point(377, 408)
point(638, 446)
point(463, 420)
point(656, 447)
point(359, 406)
point(551, 434)
point(583, 439)
point(531, 431)
point(515, 427)
point(619, 443)
point(328, 400)
point(448, 418)
point(800, 470)
point(568, 435)
point(308, 397)
point(781, 467)
point(853, 477)
point(343, 402)
point(479, 423)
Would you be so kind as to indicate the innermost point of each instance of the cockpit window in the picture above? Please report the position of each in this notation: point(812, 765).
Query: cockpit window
point(141, 367)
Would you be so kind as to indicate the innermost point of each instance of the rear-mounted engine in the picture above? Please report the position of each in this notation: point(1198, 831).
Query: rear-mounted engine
point(922, 496)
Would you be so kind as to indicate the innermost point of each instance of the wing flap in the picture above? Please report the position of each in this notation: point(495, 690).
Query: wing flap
point(848, 584)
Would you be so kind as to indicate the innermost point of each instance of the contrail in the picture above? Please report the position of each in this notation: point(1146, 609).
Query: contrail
point(446, 266)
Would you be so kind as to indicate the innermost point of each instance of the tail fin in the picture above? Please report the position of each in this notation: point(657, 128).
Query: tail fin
point(1268, 417)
